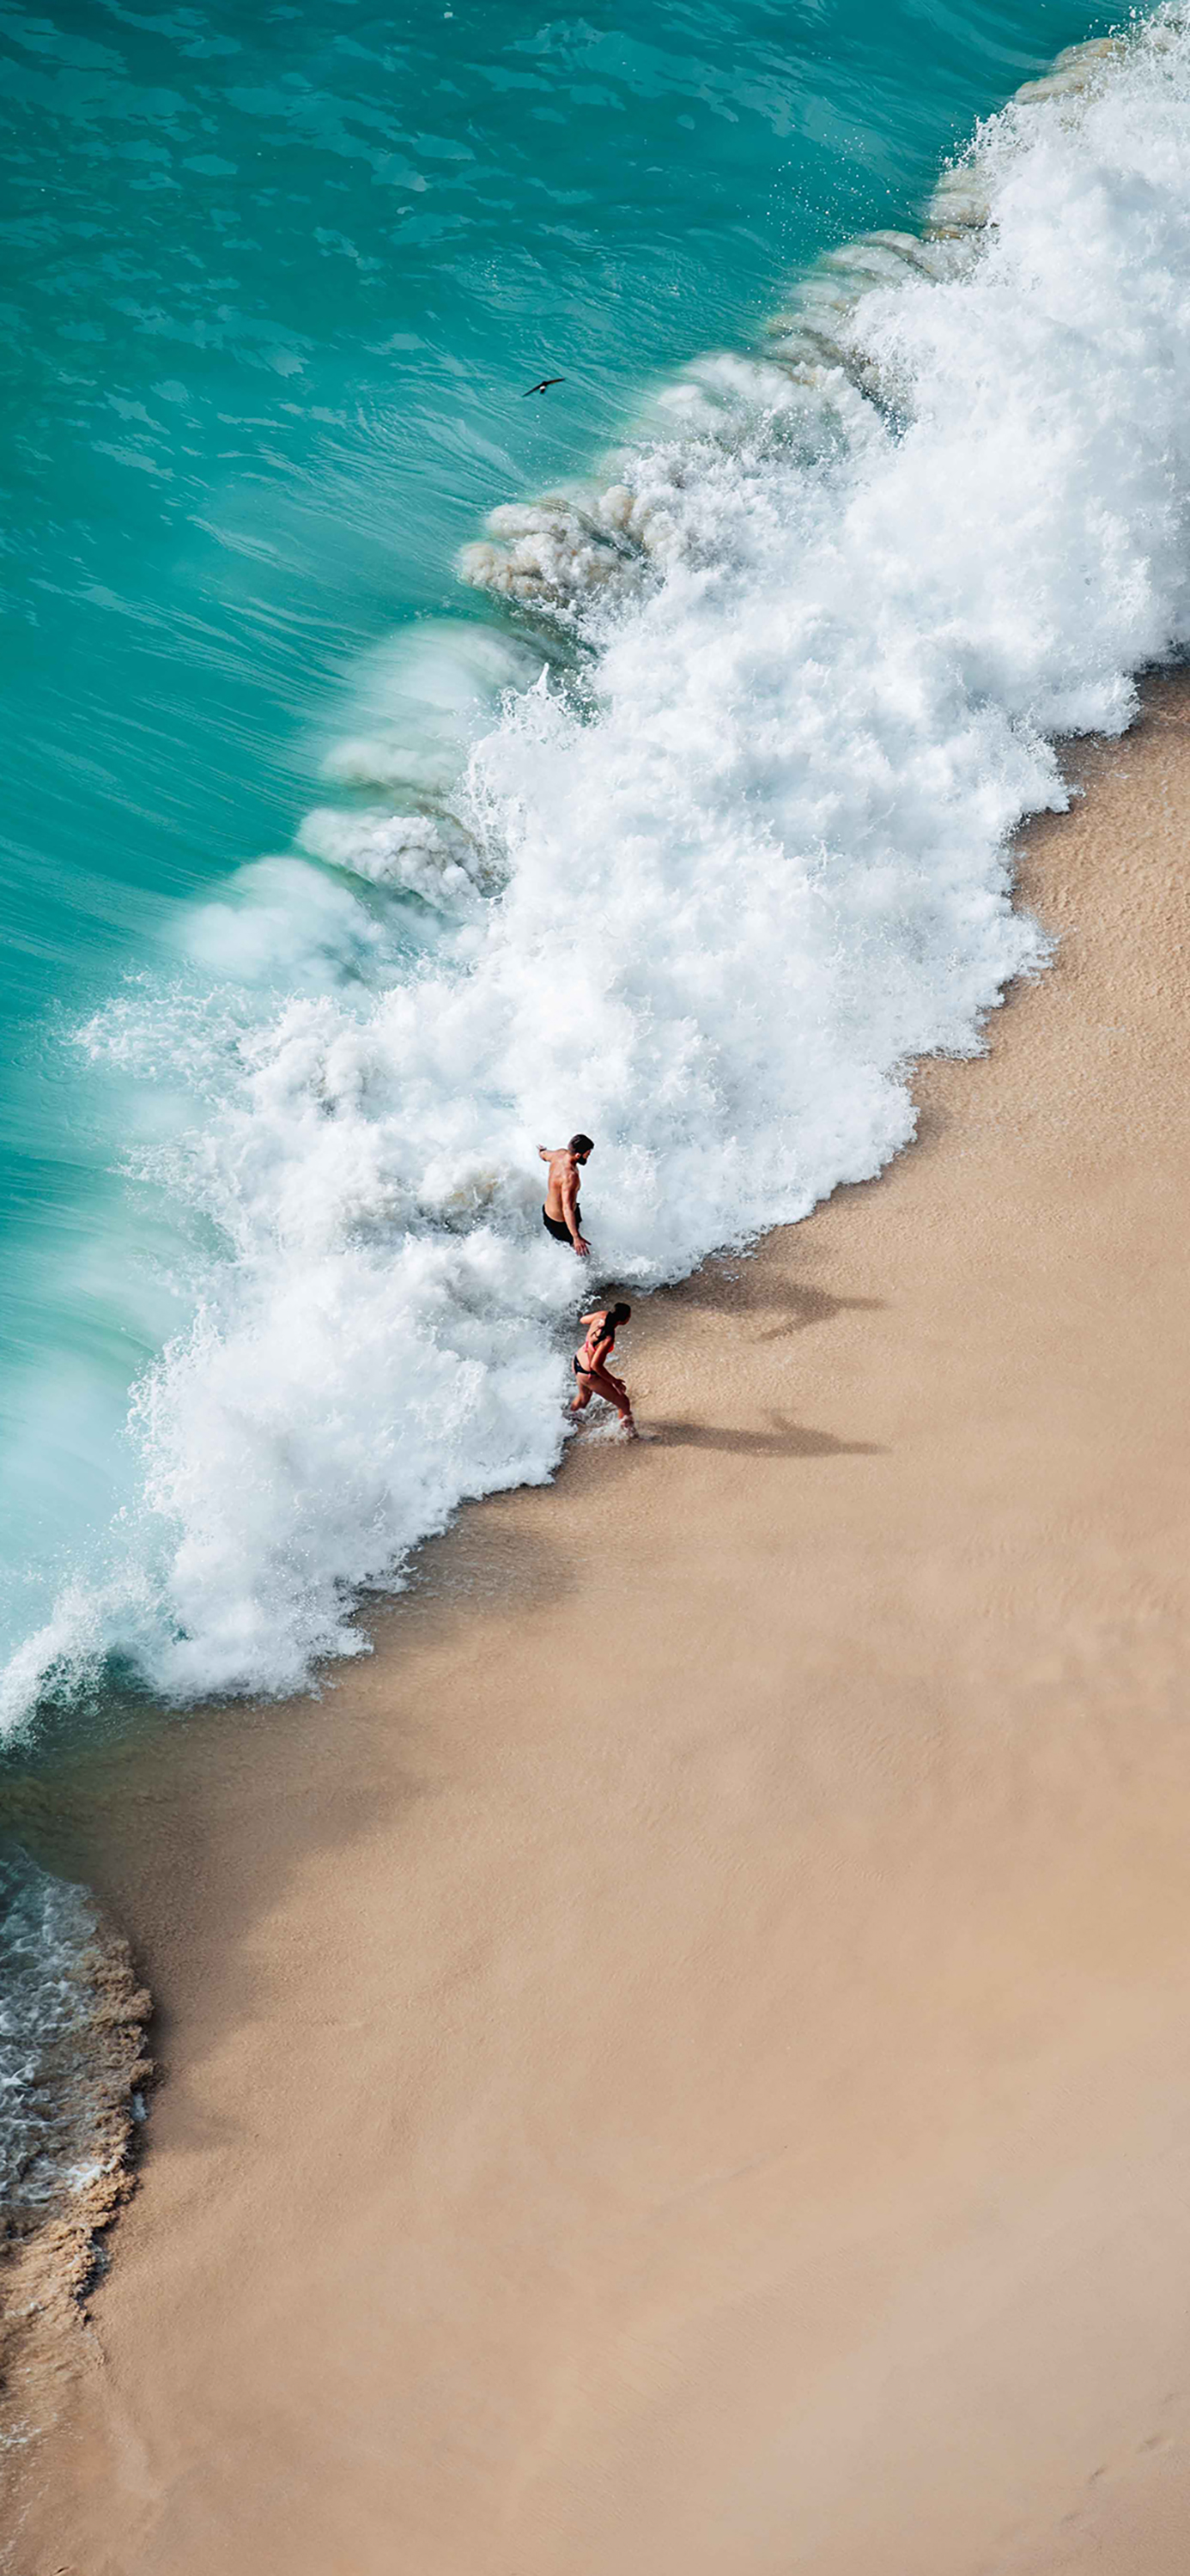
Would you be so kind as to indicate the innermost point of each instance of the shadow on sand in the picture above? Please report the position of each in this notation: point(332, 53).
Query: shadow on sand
point(748, 1287)
point(785, 1440)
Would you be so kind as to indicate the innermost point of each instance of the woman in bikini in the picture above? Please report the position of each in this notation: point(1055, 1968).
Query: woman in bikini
point(591, 1365)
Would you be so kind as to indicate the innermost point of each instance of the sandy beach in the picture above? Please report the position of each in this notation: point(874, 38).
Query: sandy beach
point(681, 2060)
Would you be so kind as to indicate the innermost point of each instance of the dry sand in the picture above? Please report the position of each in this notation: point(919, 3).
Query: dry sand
point(682, 2063)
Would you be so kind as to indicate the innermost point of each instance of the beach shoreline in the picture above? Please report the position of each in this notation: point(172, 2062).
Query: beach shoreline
point(677, 2059)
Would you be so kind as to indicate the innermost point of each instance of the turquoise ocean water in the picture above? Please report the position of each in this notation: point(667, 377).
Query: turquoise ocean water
point(296, 827)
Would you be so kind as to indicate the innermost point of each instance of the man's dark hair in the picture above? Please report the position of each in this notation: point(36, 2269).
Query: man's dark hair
point(580, 1145)
point(620, 1313)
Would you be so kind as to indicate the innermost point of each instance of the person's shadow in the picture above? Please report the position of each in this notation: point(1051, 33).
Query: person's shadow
point(786, 1440)
point(802, 1306)
point(751, 1290)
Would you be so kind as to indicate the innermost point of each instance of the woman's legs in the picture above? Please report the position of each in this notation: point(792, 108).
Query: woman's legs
point(612, 1389)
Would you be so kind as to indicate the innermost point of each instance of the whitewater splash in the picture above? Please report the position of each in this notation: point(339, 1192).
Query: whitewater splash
point(699, 853)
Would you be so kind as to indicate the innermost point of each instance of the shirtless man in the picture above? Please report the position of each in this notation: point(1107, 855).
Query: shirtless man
point(591, 1369)
point(562, 1216)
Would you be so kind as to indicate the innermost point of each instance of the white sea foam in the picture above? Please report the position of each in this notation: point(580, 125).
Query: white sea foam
point(705, 887)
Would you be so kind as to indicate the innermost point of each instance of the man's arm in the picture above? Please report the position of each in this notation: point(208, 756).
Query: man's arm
point(569, 1203)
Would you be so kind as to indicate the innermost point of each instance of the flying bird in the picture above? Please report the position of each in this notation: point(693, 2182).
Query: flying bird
point(543, 387)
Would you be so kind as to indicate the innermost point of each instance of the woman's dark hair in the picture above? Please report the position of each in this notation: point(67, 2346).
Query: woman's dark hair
point(619, 1314)
point(580, 1145)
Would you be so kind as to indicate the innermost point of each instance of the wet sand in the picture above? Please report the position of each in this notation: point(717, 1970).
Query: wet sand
point(682, 2061)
